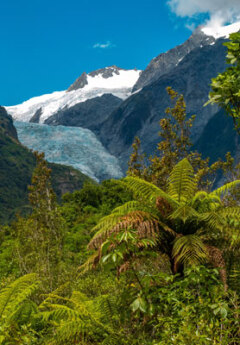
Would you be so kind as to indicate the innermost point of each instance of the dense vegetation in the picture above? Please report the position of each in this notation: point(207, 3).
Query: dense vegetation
point(152, 259)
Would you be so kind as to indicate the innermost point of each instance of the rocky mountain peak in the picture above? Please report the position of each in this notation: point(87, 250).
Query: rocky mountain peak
point(79, 83)
point(106, 72)
point(165, 62)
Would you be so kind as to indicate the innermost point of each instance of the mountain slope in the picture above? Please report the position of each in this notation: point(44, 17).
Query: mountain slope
point(165, 62)
point(140, 113)
point(16, 167)
point(89, 114)
point(218, 138)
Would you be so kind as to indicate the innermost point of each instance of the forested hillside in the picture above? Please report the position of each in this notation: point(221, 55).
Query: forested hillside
point(16, 167)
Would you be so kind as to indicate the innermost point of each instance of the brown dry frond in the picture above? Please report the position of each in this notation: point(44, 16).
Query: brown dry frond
point(163, 206)
point(148, 229)
point(124, 267)
point(98, 239)
point(138, 216)
point(217, 260)
point(131, 220)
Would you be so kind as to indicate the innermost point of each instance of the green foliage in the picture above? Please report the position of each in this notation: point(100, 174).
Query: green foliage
point(175, 140)
point(195, 310)
point(16, 309)
point(181, 223)
point(174, 145)
point(226, 86)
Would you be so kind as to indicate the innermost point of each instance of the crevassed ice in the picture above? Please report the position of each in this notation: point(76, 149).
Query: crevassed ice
point(120, 85)
point(72, 146)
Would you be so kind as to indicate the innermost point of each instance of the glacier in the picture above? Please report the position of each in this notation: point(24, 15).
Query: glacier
point(73, 146)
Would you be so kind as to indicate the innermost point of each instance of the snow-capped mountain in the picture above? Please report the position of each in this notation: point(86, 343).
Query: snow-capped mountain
point(163, 63)
point(188, 69)
point(221, 31)
point(109, 80)
point(118, 104)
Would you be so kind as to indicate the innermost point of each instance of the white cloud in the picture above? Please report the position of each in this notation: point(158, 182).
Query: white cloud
point(220, 11)
point(108, 44)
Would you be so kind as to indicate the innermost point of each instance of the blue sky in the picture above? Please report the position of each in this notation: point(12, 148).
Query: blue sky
point(46, 45)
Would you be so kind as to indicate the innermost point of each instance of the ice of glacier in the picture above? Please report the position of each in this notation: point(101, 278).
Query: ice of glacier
point(73, 146)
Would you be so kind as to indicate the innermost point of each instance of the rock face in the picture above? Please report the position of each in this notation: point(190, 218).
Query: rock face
point(79, 83)
point(105, 73)
point(89, 114)
point(140, 113)
point(36, 116)
point(6, 125)
point(165, 62)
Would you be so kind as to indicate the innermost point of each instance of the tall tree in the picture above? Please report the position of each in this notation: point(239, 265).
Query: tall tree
point(40, 236)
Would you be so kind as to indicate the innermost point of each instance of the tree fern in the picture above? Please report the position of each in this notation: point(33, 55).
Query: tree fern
point(181, 222)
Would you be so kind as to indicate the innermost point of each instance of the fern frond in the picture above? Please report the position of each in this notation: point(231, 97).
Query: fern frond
point(167, 229)
point(213, 220)
point(234, 277)
point(111, 339)
point(189, 250)
point(78, 320)
point(59, 312)
point(226, 188)
point(128, 207)
point(185, 213)
point(182, 182)
point(132, 219)
point(70, 331)
point(12, 296)
point(107, 221)
point(204, 202)
point(231, 214)
point(147, 191)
